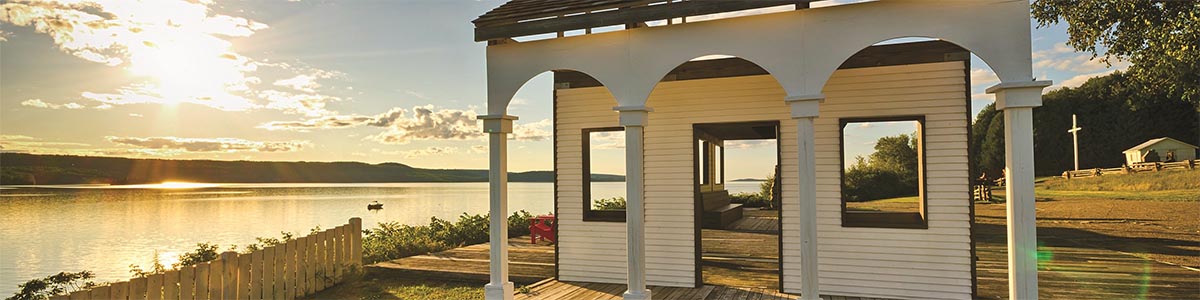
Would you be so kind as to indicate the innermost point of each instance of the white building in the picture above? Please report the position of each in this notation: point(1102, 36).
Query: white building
point(1162, 147)
point(799, 76)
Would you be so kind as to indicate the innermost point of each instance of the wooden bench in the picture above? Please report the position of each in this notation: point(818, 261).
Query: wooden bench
point(718, 211)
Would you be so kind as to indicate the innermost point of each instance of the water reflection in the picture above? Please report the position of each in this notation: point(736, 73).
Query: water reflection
point(105, 228)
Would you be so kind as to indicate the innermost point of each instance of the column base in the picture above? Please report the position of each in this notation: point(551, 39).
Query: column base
point(493, 291)
point(637, 295)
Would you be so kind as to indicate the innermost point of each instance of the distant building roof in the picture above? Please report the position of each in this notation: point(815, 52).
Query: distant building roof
point(1156, 141)
point(530, 17)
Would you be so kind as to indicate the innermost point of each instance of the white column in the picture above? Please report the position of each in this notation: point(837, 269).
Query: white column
point(1017, 100)
point(634, 120)
point(498, 127)
point(804, 110)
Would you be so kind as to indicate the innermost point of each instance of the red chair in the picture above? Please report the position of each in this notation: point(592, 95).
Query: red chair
point(542, 227)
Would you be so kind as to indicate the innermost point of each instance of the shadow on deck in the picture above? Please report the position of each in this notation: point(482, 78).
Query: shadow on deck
point(1067, 269)
point(527, 263)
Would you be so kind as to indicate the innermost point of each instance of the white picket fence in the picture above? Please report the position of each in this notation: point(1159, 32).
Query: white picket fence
point(295, 269)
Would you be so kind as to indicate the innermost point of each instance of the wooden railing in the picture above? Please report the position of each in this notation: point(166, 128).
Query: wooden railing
point(290, 270)
point(1135, 168)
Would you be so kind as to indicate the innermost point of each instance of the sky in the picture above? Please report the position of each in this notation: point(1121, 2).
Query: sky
point(310, 80)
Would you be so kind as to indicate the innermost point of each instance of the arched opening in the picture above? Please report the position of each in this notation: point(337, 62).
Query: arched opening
point(904, 138)
point(733, 110)
point(546, 174)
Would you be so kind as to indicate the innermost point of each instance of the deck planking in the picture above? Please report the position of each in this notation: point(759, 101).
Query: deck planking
point(1068, 269)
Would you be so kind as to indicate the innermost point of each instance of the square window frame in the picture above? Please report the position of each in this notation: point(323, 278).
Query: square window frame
point(590, 215)
point(898, 220)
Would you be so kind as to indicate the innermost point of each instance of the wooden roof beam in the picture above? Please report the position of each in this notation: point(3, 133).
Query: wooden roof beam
point(625, 16)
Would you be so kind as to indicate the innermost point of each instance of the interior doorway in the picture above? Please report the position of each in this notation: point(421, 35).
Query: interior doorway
point(737, 206)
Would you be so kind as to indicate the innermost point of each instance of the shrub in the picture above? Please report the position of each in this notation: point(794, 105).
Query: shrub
point(54, 285)
point(750, 199)
point(614, 203)
point(392, 240)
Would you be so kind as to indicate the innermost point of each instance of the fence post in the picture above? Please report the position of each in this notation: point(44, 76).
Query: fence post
point(101, 292)
point(216, 268)
point(229, 261)
point(268, 271)
point(256, 276)
point(337, 248)
point(356, 252)
point(202, 270)
point(243, 276)
point(154, 287)
point(302, 266)
point(137, 288)
point(311, 265)
point(171, 285)
point(80, 295)
point(327, 250)
point(187, 283)
point(120, 291)
point(289, 271)
point(280, 278)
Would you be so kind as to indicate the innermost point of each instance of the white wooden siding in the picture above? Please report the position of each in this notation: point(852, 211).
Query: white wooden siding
point(872, 262)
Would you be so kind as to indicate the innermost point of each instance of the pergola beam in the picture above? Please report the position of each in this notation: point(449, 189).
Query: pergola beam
point(625, 16)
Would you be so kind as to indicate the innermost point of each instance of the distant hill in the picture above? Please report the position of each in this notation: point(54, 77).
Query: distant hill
point(20, 168)
point(748, 179)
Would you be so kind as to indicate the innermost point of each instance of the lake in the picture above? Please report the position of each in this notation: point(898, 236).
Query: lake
point(46, 230)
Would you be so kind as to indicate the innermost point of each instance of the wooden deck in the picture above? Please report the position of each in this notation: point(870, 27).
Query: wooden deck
point(1068, 269)
point(528, 263)
point(746, 255)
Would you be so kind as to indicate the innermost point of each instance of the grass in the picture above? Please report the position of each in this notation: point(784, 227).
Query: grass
point(901, 204)
point(1138, 182)
point(379, 286)
point(1154, 186)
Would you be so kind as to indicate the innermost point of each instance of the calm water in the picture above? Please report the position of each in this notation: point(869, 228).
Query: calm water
point(106, 229)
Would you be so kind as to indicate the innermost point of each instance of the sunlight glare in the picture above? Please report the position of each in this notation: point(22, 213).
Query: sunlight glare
point(180, 185)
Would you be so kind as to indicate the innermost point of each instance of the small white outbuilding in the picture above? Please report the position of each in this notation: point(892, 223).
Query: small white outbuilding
point(1163, 148)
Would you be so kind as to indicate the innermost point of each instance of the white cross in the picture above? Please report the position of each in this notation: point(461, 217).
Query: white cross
point(1075, 139)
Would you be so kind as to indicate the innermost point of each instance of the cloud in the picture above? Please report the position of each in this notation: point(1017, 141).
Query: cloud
point(536, 131)
point(749, 144)
point(607, 140)
point(431, 151)
point(1064, 58)
point(24, 143)
point(479, 149)
point(402, 126)
point(208, 144)
point(416, 94)
point(42, 104)
point(329, 122)
point(176, 51)
point(1077, 80)
point(426, 123)
point(136, 115)
point(983, 77)
point(307, 82)
point(311, 105)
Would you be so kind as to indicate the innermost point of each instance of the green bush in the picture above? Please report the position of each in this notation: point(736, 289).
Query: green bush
point(614, 203)
point(392, 240)
point(751, 199)
point(54, 285)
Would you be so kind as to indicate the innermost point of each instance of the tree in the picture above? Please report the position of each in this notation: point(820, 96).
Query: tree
point(1159, 38)
point(1115, 111)
point(890, 172)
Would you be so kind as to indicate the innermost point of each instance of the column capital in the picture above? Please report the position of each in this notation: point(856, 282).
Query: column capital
point(805, 106)
point(497, 123)
point(633, 115)
point(1019, 94)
